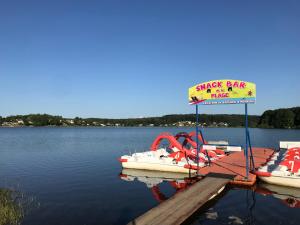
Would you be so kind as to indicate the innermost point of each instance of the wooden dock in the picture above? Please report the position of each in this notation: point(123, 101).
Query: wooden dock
point(230, 169)
point(182, 205)
point(235, 164)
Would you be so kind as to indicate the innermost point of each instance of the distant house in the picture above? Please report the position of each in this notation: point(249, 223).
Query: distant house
point(180, 124)
point(70, 121)
point(222, 124)
point(20, 122)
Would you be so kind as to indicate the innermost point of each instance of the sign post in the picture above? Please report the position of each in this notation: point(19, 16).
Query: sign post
point(246, 147)
point(217, 92)
point(197, 139)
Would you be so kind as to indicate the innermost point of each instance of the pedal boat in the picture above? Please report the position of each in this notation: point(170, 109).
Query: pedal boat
point(160, 160)
point(283, 168)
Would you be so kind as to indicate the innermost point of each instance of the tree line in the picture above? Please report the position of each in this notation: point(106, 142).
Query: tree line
point(279, 118)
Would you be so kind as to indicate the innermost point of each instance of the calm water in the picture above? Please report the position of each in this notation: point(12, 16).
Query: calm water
point(72, 176)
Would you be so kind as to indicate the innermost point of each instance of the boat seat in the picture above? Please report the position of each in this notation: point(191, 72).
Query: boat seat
point(177, 156)
point(296, 166)
point(285, 164)
point(294, 149)
point(292, 165)
point(292, 157)
point(283, 168)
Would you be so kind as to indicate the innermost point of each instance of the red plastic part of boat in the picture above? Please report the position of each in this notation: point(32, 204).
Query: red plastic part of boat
point(122, 160)
point(262, 174)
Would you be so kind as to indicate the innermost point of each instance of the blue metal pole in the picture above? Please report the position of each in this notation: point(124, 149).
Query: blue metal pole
point(251, 154)
point(246, 147)
point(208, 158)
point(197, 139)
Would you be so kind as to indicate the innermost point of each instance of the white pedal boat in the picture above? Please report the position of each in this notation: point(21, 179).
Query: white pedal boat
point(159, 160)
point(282, 169)
point(280, 177)
point(180, 157)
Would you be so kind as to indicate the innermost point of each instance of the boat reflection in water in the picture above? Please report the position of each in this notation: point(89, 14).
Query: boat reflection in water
point(287, 195)
point(216, 212)
point(152, 179)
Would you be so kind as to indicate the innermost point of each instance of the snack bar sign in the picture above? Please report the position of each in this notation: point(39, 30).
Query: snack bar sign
point(222, 92)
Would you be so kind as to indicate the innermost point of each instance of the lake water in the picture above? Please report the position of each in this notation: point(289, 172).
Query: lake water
point(72, 176)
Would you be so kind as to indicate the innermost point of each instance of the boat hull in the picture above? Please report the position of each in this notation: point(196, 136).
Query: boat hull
point(157, 167)
point(283, 181)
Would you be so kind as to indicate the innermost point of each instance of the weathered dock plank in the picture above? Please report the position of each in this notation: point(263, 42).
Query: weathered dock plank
point(182, 205)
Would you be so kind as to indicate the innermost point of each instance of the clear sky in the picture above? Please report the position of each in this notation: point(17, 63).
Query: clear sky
point(119, 59)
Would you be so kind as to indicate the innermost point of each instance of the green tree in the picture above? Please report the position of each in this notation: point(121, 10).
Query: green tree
point(296, 111)
point(284, 118)
point(39, 119)
point(77, 121)
point(267, 119)
point(55, 120)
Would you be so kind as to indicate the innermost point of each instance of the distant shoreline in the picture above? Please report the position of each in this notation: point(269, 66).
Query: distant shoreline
point(288, 118)
point(107, 127)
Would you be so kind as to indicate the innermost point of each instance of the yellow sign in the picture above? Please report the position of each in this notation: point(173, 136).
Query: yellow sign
point(223, 92)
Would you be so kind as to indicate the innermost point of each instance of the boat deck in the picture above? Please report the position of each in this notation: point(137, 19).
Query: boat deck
point(235, 164)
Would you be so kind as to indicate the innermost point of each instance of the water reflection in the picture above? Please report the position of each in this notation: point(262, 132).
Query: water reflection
point(233, 210)
point(152, 179)
point(288, 196)
point(178, 182)
point(250, 204)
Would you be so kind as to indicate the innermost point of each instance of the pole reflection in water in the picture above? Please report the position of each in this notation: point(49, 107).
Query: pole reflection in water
point(250, 202)
point(219, 211)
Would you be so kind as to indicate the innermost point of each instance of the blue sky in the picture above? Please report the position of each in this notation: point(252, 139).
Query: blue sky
point(119, 59)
